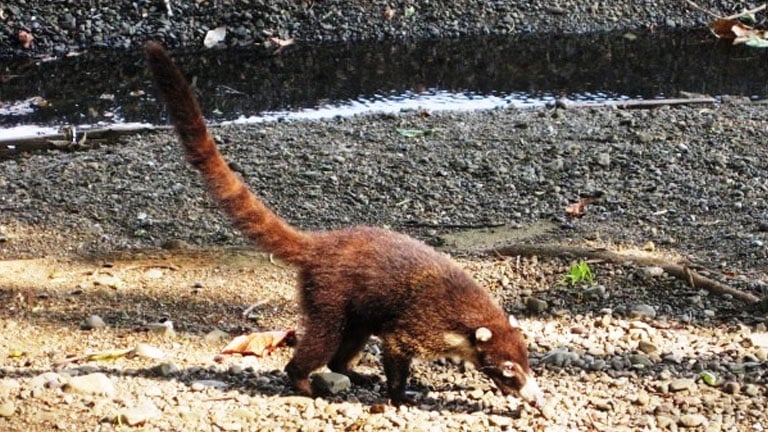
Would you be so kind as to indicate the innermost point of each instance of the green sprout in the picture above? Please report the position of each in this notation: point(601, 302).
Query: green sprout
point(578, 273)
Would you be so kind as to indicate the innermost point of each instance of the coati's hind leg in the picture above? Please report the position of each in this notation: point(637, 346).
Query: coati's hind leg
point(352, 343)
point(315, 349)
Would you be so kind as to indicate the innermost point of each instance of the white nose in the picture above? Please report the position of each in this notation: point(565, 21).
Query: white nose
point(531, 393)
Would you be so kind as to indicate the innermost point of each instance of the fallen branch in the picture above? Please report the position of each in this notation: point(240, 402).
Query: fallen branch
point(632, 103)
point(680, 271)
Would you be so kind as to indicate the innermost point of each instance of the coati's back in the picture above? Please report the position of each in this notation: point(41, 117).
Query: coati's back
point(358, 281)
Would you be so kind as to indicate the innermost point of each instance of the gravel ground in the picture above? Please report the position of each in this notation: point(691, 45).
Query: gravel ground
point(627, 353)
point(59, 27)
point(125, 232)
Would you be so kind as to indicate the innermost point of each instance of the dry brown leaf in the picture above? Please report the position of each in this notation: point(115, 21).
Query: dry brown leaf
point(728, 28)
point(281, 43)
point(389, 13)
point(259, 344)
point(25, 38)
point(576, 210)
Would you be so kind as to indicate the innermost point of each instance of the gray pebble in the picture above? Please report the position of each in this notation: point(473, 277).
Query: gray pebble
point(93, 322)
point(642, 311)
point(167, 369)
point(731, 387)
point(535, 305)
point(331, 382)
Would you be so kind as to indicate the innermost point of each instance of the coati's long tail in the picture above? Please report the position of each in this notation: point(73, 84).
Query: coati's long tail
point(271, 233)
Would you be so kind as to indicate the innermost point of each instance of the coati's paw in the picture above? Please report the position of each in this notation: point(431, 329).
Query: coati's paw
point(303, 387)
point(359, 379)
point(402, 400)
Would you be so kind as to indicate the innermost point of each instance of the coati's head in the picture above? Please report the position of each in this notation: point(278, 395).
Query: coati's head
point(502, 354)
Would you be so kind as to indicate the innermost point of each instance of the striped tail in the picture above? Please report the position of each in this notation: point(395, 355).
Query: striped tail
point(248, 214)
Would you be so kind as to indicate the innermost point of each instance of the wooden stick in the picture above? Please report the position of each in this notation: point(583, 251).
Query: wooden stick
point(684, 272)
point(632, 103)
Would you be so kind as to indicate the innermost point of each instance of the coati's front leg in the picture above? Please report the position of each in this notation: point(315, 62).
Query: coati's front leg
point(397, 366)
point(314, 350)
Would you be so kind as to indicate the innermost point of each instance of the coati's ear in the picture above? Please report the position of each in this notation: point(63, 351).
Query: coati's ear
point(513, 322)
point(483, 334)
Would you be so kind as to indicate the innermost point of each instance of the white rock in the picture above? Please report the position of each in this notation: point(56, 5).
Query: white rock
point(95, 383)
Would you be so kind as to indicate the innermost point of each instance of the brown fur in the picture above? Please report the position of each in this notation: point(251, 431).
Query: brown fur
point(359, 281)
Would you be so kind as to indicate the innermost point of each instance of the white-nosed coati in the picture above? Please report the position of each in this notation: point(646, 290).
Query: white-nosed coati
point(359, 281)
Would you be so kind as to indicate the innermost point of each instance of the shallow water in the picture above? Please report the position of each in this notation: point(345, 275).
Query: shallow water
point(102, 88)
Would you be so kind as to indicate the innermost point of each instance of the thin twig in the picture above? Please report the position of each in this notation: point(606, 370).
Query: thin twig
point(748, 12)
point(699, 8)
point(680, 271)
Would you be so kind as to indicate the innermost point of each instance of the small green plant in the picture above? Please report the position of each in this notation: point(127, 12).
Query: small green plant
point(578, 273)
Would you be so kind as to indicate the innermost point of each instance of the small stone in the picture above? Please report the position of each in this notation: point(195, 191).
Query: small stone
point(175, 244)
point(499, 421)
point(7, 409)
point(476, 394)
point(664, 422)
point(559, 357)
point(216, 336)
point(751, 390)
point(681, 384)
point(331, 382)
point(93, 322)
point(639, 360)
point(692, 420)
point(731, 387)
point(761, 354)
point(95, 384)
point(147, 351)
point(138, 416)
point(167, 369)
point(647, 347)
point(651, 272)
point(604, 159)
point(643, 399)
point(47, 379)
point(642, 311)
point(201, 385)
point(759, 340)
point(535, 305)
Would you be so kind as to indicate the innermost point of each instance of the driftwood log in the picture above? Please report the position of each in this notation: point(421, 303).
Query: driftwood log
point(681, 271)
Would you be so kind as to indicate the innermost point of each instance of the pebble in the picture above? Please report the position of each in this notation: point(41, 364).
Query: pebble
point(647, 347)
point(7, 408)
point(167, 369)
point(759, 340)
point(93, 322)
point(147, 351)
point(536, 306)
point(642, 311)
point(201, 385)
point(692, 420)
point(559, 357)
point(651, 272)
point(681, 384)
point(94, 384)
point(215, 337)
point(137, 416)
point(731, 387)
point(330, 382)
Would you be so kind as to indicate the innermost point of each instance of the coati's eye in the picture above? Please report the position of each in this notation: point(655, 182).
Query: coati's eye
point(508, 369)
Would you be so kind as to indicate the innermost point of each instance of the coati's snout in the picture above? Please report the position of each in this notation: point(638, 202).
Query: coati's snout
point(503, 357)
